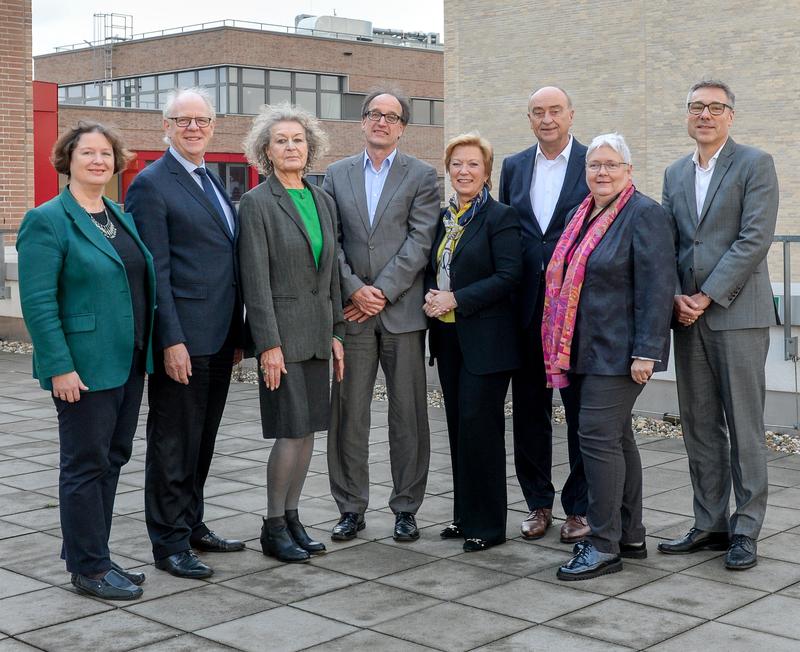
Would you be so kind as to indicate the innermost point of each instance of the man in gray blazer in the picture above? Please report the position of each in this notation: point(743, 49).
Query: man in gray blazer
point(388, 206)
point(724, 203)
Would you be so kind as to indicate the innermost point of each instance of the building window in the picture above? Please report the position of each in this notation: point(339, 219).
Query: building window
point(234, 176)
point(427, 112)
point(351, 106)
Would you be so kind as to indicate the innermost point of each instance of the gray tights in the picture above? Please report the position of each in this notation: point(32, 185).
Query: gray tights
point(286, 472)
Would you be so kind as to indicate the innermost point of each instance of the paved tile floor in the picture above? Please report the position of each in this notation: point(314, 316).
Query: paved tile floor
point(373, 593)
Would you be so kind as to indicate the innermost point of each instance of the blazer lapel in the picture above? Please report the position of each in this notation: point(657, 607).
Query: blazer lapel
point(397, 173)
point(85, 225)
point(689, 190)
point(326, 224)
point(286, 203)
point(531, 221)
point(475, 225)
point(190, 185)
point(356, 174)
point(217, 181)
point(723, 163)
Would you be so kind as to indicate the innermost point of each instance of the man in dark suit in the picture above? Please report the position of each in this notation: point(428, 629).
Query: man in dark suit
point(724, 203)
point(187, 221)
point(388, 206)
point(544, 183)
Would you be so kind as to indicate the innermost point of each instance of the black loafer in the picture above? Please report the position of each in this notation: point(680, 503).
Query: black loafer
point(112, 586)
point(348, 526)
point(742, 553)
point(589, 562)
point(633, 550)
point(185, 564)
point(405, 527)
point(476, 545)
point(132, 577)
point(214, 543)
point(693, 541)
point(452, 531)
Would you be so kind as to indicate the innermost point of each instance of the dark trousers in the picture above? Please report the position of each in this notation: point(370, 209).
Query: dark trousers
point(476, 426)
point(533, 428)
point(181, 430)
point(96, 437)
point(611, 459)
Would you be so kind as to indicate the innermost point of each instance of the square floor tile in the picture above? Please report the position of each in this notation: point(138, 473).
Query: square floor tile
point(368, 641)
point(775, 614)
point(631, 576)
point(547, 639)
point(515, 557)
point(15, 584)
point(27, 611)
point(184, 643)
point(447, 580)
point(769, 575)
point(291, 582)
point(718, 637)
point(371, 560)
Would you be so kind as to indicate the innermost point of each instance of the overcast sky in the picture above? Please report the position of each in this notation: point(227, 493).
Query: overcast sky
point(62, 22)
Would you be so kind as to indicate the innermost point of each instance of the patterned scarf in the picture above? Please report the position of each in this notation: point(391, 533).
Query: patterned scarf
point(563, 289)
point(455, 221)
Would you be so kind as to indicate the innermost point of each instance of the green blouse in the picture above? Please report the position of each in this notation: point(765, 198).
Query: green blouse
point(304, 202)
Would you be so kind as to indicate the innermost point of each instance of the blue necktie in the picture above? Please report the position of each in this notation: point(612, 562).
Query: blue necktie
point(208, 188)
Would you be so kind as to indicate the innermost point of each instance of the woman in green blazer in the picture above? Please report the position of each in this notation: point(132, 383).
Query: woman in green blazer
point(87, 288)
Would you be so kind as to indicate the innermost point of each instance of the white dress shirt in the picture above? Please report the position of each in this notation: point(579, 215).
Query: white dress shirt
point(546, 183)
point(374, 180)
point(190, 168)
point(702, 178)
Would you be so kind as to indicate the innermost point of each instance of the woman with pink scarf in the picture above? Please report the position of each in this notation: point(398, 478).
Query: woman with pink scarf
point(608, 302)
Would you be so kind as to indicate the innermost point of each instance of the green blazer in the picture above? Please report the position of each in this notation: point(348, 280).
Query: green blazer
point(75, 296)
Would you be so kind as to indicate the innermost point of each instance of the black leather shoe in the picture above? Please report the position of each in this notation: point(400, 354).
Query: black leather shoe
point(633, 550)
point(214, 543)
point(589, 562)
point(277, 541)
point(112, 586)
point(476, 545)
point(693, 541)
point(300, 535)
point(348, 526)
point(185, 564)
point(405, 527)
point(742, 553)
point(132, 577)
point(452, 531)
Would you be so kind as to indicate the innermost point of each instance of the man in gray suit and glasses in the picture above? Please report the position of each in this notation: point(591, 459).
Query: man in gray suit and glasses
point(724, 203)
point(388, 206)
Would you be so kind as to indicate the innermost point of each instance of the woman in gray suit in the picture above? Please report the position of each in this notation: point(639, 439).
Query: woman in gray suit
point(290, 284)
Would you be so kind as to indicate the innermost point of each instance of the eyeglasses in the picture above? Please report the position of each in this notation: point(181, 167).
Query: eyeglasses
point(715, 108)
point(375, 116)
point(610, 166)
point(200, 121)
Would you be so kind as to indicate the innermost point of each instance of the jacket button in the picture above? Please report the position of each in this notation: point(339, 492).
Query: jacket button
point(314, 292)
point(698, 242)
point(372, 247)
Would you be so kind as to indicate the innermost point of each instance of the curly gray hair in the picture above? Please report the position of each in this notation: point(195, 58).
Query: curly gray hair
point(259, 137)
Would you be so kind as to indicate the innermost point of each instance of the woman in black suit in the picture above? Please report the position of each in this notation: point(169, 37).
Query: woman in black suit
point(476, 262)
point(608, 301)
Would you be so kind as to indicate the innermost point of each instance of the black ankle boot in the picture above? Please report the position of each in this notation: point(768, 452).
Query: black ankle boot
point(300, 535)
point(276, 541)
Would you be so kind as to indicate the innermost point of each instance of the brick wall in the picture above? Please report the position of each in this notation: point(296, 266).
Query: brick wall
point(16, 113)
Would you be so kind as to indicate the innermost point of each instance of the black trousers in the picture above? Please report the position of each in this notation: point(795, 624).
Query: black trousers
point(611, 458)
point(96, 437)
point(476, 426)
point(181, 431)
point(533, 428)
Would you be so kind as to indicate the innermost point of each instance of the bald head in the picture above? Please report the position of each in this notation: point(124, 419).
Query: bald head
point(550, 113)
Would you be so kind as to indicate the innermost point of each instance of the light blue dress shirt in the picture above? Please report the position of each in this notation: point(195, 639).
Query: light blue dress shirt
point(190, 168)
point(374, 180)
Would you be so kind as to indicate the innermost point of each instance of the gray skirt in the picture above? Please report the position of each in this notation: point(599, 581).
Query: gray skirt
point(300, 405)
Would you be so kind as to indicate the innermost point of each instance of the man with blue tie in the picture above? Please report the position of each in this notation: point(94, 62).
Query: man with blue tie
point(544, 183)
point(189, 224)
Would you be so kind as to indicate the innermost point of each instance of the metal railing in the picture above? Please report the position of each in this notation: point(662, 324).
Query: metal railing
point(264, 27)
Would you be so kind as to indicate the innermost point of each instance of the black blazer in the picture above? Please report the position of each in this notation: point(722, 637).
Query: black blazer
point(626, 300)
point(537, 247)
point(195, 258)
point(485, 269)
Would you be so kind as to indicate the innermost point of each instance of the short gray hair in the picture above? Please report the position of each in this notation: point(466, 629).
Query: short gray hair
point(712, 83)
point(615, 141)
point(259, 137)
point(178, 93)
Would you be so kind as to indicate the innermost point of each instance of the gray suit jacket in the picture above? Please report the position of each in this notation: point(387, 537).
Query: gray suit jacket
point(390, 254)
point(722, 252)
point(289, 301)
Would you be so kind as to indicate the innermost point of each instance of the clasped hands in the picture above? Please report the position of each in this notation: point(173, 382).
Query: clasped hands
point(688, 308)
point(439, 302)
point(367, 301)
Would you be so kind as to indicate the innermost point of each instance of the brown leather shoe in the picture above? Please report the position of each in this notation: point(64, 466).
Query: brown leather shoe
point(537, 523)
point(575, 528)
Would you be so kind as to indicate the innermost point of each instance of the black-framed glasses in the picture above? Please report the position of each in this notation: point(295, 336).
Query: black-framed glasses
point(201, 121)
point(714, 108)
point(375, 116)
point(610, 166)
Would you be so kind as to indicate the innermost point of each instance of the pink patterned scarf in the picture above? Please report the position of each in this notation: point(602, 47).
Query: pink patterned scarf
point(563, 290)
